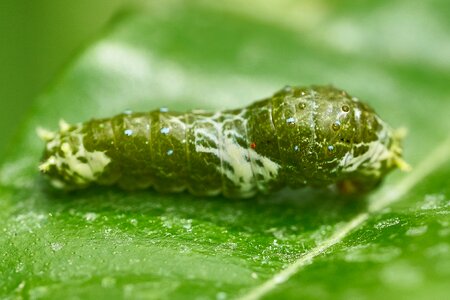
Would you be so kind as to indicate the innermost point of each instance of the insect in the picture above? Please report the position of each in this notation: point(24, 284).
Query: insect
point(316, 136)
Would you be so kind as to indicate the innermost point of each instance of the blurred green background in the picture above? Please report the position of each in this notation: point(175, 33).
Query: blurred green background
point(36, 39)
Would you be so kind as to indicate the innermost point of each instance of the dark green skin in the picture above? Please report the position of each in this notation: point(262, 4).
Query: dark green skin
point(296, 128)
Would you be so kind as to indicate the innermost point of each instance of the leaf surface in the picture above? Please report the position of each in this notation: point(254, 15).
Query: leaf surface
point(105, 242)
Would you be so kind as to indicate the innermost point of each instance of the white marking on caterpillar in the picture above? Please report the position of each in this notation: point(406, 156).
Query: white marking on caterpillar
point(70, 162)
point(63, 125)
point(240, 159)
point(376, 153)
point(44, 134)
point(243, 168)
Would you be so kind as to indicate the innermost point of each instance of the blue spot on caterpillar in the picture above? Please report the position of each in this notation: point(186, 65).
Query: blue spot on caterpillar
point(315, 136)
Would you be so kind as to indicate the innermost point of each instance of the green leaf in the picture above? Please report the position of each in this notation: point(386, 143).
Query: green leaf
point(108, 243)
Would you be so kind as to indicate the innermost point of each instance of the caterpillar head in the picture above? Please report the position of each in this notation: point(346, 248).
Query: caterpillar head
point(382, 159)
point(66, 161)
point(370, 148)
point(336, 138)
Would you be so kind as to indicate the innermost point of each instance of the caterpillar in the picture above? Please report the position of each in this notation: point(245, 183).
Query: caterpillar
point(316, 136)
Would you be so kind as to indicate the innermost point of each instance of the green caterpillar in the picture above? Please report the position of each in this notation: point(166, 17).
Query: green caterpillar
point(316, 136)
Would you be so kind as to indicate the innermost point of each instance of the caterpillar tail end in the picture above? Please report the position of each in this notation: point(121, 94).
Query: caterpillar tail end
point(397, 150)
point(48, 135)
point(45, 134)
point(402, 165)
point(44, 167)
point(63, 125)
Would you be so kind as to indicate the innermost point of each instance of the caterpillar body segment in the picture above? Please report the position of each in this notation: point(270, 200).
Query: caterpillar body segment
point(315, 136)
